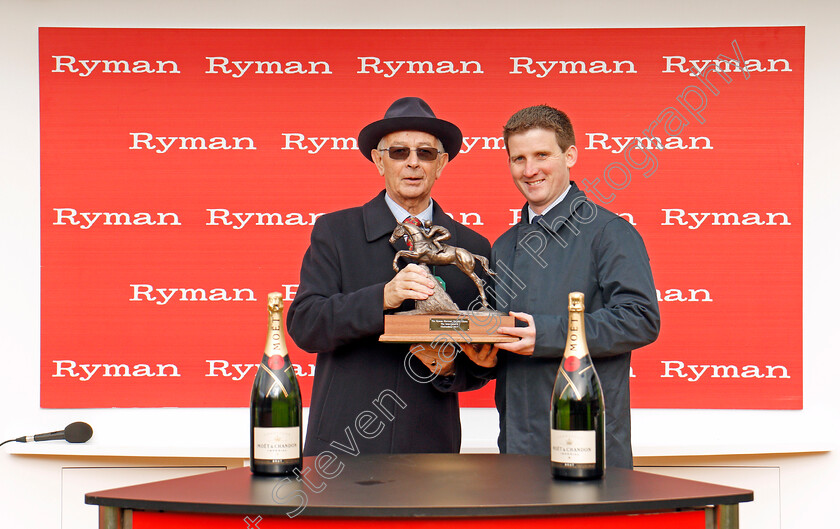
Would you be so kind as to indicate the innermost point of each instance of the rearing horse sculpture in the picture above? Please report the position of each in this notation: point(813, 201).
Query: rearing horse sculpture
point(426, 248)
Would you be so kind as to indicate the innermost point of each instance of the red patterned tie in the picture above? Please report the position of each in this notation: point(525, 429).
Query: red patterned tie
point(416, 222)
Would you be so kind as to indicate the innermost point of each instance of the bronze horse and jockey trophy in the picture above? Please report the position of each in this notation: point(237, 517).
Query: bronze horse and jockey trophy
point(438, 319)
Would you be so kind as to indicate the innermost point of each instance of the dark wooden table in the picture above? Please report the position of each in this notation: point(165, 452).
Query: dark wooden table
point(416, 489)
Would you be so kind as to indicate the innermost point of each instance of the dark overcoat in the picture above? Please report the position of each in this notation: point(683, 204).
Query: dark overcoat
point(578, 246)
point(373, 395)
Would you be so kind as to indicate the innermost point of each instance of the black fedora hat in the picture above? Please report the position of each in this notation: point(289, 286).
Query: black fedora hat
point(410, 113)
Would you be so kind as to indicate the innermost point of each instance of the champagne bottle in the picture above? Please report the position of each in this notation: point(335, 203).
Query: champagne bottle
point(276, 411)
point(577, 407)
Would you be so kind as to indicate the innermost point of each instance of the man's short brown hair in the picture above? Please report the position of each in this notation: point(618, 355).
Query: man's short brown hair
point(542, 117)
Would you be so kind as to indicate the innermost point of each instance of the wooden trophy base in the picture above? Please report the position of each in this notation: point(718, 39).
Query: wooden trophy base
point(464, 327)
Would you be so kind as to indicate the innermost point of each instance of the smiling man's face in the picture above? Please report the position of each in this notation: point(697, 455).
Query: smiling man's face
point(540, 169)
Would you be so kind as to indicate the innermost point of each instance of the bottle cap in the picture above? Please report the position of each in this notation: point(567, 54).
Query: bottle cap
point(576, 301)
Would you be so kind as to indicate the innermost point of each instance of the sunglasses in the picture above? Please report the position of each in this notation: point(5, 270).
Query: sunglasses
point(424, 154)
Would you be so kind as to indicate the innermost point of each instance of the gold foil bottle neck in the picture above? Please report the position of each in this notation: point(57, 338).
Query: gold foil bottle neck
point(276, 341)
point(576, 335)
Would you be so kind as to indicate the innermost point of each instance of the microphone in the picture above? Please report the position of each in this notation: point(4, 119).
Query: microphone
point(77, 432)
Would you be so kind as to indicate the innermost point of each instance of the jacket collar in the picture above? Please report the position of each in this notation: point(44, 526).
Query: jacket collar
point(380, 222)
point(559, 215)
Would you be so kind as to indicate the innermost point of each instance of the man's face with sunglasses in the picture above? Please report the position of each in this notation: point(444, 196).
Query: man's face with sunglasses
point(410, 161)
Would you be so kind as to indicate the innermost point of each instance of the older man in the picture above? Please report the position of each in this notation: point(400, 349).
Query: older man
point(366, 396)
point(564, 243)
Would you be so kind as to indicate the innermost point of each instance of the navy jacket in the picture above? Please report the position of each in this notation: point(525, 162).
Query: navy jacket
point(579, 246)
point(366, 392)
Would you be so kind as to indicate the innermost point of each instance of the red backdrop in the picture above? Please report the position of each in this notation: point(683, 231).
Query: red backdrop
point(157, 144)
